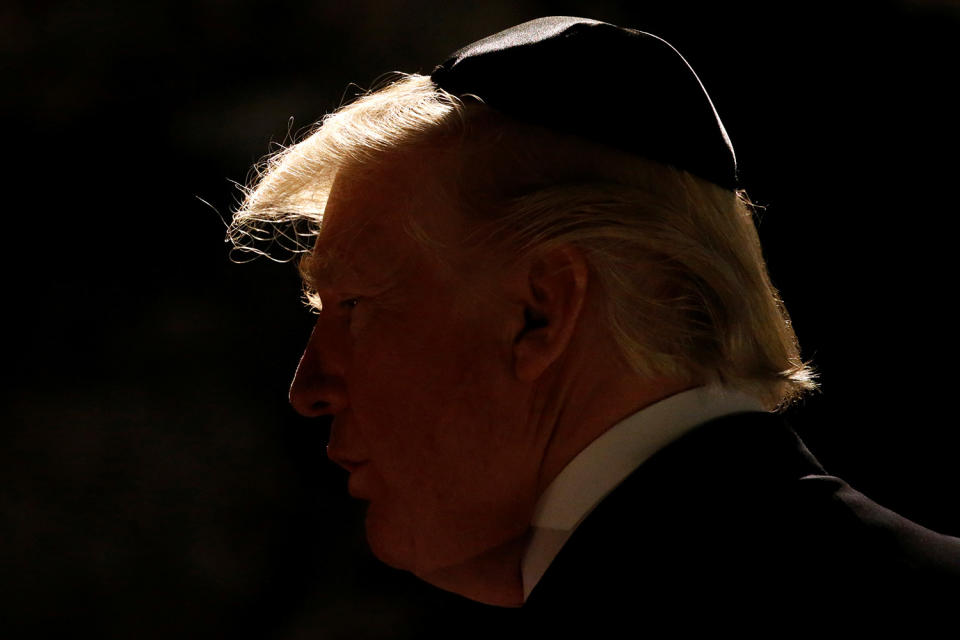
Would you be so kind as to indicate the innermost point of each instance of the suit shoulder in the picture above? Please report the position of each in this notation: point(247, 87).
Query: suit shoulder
point(742, 497)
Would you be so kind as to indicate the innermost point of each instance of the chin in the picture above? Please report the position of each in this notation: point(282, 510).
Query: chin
point(389, 544)
point(398, 547)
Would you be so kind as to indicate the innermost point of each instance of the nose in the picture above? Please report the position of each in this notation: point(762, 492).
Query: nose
point(318, 387)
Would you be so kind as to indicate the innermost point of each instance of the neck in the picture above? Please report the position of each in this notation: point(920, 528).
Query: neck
point(493, 577)
point(583, 402)
point(588, 392)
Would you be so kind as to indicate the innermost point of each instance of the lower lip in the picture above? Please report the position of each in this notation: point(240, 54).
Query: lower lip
point(356, 483)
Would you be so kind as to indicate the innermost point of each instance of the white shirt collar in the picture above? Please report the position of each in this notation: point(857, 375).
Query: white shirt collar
point(608, 460)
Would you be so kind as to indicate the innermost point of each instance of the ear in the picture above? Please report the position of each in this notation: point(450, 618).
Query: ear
point(554, 290)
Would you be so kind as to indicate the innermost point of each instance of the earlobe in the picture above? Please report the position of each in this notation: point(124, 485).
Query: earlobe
point(555, 289)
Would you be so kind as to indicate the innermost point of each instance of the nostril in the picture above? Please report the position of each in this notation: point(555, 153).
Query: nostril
point(315, 392)
point(320, 408)
point(310, 408)
point(326, 396)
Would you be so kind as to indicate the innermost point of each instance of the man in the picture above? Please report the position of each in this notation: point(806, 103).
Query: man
point(550, 349)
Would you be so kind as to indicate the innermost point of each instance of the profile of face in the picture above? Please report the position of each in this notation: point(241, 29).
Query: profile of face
point(414, 356)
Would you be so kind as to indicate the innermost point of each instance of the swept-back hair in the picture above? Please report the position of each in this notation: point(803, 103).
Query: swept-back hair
point(677, 258)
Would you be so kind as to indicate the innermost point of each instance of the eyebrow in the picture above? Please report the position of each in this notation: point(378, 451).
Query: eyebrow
point(320, 268)
point(323, 269)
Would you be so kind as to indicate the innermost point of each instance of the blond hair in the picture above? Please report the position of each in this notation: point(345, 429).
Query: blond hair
point(678, 259)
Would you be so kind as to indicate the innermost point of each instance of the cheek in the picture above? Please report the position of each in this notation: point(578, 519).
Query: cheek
point(441, 419)
point(424, 390)
point(422, 357)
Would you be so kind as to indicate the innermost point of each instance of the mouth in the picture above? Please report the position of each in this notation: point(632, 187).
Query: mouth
point(355, 467)
point(349, 463)
point(357, 483)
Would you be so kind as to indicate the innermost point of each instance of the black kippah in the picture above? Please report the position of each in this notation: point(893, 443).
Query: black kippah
point(620, 87)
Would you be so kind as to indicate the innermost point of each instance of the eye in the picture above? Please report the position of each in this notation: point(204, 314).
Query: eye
point(349, 303)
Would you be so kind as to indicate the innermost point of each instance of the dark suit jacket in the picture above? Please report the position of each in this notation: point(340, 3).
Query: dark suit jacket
point(736, 526)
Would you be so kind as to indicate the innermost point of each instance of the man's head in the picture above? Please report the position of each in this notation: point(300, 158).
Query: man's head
point(414, 355)
point(491, 296)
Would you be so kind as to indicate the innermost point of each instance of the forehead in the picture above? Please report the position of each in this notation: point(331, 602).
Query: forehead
point(372, 209)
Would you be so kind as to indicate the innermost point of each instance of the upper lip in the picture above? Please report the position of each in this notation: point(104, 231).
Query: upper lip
point(350, 464)
point(340, 451)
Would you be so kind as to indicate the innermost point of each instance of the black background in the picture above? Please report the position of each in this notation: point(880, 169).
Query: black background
point(153, 480)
